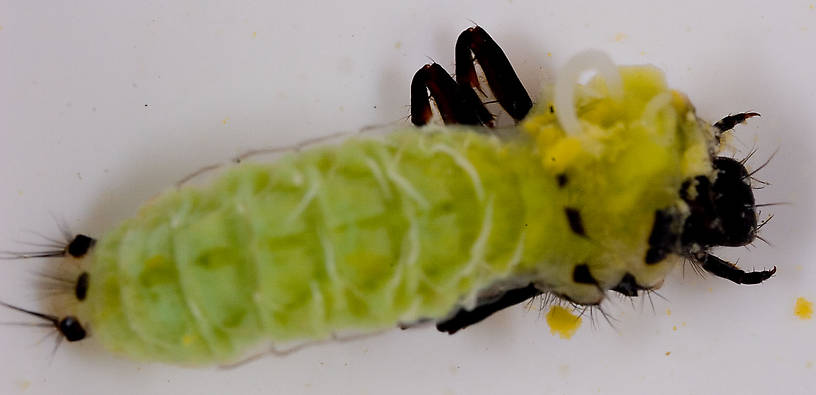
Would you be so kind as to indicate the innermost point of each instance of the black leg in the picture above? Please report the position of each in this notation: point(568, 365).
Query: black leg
point(455, 104)
point(729, 271)
point(501, 77)
point(464, 318)
point(731, 121)
point(456, 99)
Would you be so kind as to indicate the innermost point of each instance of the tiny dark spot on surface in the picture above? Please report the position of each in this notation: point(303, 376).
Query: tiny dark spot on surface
point(552, 110)
point(581, 275)
point(562, 180)
point(575, 222)
point(81, 290)
point(627, 286)
point(375, 107)
point(145, 105)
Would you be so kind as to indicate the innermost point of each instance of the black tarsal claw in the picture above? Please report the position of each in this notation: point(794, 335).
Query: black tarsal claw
point(729, 271)
point(733, 120)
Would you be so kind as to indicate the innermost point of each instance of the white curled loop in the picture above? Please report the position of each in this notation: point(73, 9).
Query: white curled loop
point(591, 60)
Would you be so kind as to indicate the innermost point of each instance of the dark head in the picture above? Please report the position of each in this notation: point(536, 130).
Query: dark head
point(723, 213)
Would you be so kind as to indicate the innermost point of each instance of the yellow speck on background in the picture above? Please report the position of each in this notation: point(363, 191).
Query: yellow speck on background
point(225, 120)
point(562, 322)
point(668, 353)
point(668, 311)
point(620, 37)
point(674, 328)
point(23, 384)
point(803, 309)
point(254, 34)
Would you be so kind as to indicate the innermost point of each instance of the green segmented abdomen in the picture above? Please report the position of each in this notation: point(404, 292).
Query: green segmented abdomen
point(370, 233)
point(359, 236)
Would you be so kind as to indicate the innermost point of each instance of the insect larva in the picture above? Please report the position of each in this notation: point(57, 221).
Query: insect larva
point(603, 186)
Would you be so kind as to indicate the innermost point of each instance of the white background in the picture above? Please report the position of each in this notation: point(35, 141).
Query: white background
point(104, 105)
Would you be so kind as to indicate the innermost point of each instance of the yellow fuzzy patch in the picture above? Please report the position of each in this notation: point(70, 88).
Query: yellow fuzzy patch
point(562, 322)
point(803, 309)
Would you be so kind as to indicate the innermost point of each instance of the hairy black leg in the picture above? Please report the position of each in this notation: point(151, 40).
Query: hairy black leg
point(498, 71)
point(729, 271)
point(455, 104)
point(464, 318)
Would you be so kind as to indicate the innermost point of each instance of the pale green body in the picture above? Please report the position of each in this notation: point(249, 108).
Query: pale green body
point(375, 232)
